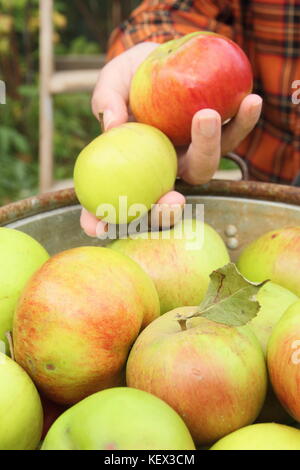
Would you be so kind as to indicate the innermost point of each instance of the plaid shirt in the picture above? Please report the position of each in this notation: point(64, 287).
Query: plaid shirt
point(269, 33)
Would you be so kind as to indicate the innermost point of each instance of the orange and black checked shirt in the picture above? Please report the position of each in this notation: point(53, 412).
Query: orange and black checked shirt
point(269, 33)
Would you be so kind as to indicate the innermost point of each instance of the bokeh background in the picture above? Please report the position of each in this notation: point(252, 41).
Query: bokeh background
point(81, 30)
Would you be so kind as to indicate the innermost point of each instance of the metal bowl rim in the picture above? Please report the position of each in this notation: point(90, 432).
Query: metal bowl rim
point(232, 189)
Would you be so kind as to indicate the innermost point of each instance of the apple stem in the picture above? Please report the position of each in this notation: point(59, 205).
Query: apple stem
point(10, 344)
point(182, 323)
point(101, 120)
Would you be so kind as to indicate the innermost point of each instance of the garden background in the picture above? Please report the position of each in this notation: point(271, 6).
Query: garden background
point(82, 27)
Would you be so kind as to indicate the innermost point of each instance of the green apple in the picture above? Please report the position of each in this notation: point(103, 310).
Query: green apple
point(273, 300)
point(179, 261)
point(261, 436)
point(21, 413)
point(274, 256)
point(20, 257)
point(77, 319)
point(212, 374)
point(120, 418)
point(134, 161)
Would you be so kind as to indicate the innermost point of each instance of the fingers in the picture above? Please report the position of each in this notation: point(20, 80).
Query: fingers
point(201, 160)
point(166, 213)
point(242, 124)
point(92, 226)
point(111, 95)
point(168, 210)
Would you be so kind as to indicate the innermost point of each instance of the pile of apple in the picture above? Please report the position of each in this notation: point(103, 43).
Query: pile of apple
point(151, 343)
point(146, 344)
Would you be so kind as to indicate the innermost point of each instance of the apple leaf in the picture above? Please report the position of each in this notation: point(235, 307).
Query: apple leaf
point(230, 298)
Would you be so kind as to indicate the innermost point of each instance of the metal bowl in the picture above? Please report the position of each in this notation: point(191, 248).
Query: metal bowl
point(252, 207)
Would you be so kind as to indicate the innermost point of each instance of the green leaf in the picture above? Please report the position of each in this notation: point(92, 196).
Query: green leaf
point(230, 298)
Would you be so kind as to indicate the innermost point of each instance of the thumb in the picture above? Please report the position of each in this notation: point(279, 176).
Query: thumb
point(201, 160)
point(112, 109)
point(111, 93)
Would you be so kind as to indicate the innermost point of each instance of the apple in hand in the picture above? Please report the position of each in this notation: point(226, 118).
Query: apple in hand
point(212, 374)
point(20, 257)
point(21, 413)
point(182, 76)
point(179, 261)
point(275, 256)
point(262, 436)
point(135, 161)
point(284, 360)
point(119, 419)
point(77, 319)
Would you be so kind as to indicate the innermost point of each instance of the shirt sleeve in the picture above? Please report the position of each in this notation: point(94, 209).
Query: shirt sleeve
point(162, 20)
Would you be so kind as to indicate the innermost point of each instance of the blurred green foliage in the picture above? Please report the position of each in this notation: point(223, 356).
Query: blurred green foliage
point(81, 27)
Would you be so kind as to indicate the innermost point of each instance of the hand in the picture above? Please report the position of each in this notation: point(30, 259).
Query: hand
point(198, 163)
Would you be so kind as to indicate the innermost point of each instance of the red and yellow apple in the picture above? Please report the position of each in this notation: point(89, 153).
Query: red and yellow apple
point(179, 261)
point(182, 76)
point(274, 256)
point(274, 301)
point(133, 161)
point(212, 374)
point(284, 360)
point(77, 319)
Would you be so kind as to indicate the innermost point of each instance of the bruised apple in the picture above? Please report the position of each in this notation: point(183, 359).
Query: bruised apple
point(185, 75)
point(121, 173)
point(77, 319)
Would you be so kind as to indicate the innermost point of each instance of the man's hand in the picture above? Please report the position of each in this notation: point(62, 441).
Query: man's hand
point(198, 163)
